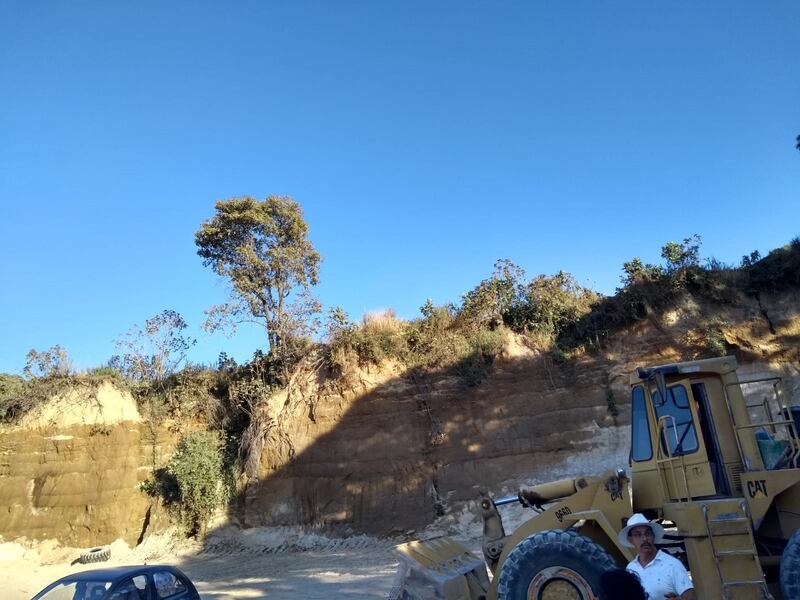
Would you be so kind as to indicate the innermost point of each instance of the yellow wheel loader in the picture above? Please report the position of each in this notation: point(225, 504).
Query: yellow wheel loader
point(713, 458)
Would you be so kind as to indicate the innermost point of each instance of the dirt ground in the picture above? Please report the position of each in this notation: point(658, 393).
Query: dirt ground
point(348, 569)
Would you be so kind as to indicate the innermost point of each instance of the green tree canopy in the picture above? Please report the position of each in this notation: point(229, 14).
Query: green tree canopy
point(261, 246)
point(683, 255)
point(635, 271)
point(491, 298)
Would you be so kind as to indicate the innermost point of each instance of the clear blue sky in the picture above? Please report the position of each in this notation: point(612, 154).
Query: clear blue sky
point(423, 139)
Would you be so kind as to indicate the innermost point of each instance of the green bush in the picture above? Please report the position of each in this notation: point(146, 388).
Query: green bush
point(436, 338)
point(483, 346)
point(778, 271)
point(550, 304)
point(380, 336)
point(487, 303)
point(645, 289)
point(718, 283)
point(191, 394)
point(681, 256)
point(198, 471)
point(105, 372)
point(440, 339)
point(714, 337)
point(635, 272)
point(12, 395)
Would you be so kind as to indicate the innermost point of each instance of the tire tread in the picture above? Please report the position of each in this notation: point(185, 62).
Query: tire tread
point(93, 555)
point(562, 541)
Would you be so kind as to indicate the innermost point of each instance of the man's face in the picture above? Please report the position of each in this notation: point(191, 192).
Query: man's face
point(642, 539)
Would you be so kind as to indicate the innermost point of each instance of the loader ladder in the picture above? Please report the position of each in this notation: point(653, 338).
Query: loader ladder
point(735, 526)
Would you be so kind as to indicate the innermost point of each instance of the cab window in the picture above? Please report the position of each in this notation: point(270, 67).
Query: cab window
point(641, 447)
point(679, 430)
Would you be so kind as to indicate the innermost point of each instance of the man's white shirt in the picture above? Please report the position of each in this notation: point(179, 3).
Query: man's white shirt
point(662, 575)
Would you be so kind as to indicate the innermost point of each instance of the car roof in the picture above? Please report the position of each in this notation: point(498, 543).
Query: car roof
point(115, 574)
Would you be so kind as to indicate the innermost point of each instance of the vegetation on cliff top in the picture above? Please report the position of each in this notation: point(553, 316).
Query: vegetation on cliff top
point(551, 313)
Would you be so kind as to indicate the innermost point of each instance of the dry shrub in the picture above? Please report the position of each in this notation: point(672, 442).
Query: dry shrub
point(437, 351)
point(344, 364)
point(436, 341)
point(190, 395)
point(18, 396)
point(383, 322)
point(538, 340)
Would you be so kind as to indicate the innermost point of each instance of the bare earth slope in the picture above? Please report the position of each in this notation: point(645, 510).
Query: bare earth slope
point(399, 451)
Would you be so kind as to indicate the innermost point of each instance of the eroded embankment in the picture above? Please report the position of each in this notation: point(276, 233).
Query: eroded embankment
point(71, 469)
point(398, 451)
point(390, 453)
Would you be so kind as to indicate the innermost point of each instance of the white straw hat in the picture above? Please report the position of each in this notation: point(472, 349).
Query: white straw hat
point(635, 521)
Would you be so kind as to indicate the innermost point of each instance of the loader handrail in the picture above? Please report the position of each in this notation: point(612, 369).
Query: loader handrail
point(661, 463)
point(771, 422)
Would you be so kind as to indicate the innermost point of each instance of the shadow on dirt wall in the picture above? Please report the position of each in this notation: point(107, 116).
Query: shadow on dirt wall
point(398, 456)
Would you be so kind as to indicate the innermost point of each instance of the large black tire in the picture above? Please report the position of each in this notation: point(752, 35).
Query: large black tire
point(93, 555)
point(553, 564)
point(790, 568)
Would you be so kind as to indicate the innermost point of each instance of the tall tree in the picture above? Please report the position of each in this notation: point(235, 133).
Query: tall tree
point(262, 247)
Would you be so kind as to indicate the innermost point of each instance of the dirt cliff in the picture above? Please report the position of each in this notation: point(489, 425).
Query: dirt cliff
point(400, 449)
point(71, 469)
point(391, 451)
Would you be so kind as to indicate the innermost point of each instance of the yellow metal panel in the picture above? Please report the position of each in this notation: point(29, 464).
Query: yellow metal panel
point(760, 488)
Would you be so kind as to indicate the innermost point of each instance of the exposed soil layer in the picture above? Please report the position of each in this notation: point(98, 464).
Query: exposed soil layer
point(391, 452)
point(71, 471)
point(398, 451)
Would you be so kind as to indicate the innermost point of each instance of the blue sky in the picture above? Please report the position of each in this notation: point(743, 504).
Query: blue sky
point(423, 139)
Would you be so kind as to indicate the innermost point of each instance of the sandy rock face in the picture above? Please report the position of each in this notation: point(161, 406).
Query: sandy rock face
point(71, 469)
point(401, 452)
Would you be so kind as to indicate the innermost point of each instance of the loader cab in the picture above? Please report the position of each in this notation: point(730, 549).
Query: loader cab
point(684, 444)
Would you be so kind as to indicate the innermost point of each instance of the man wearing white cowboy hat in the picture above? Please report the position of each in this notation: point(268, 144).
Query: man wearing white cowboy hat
point(662, 575)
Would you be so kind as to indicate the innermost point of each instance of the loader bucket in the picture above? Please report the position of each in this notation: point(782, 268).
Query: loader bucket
point(440, 569)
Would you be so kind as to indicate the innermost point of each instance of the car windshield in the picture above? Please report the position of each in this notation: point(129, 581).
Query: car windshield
point(76, 590)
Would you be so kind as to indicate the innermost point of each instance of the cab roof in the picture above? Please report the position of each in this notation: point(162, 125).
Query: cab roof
point(719, 365)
